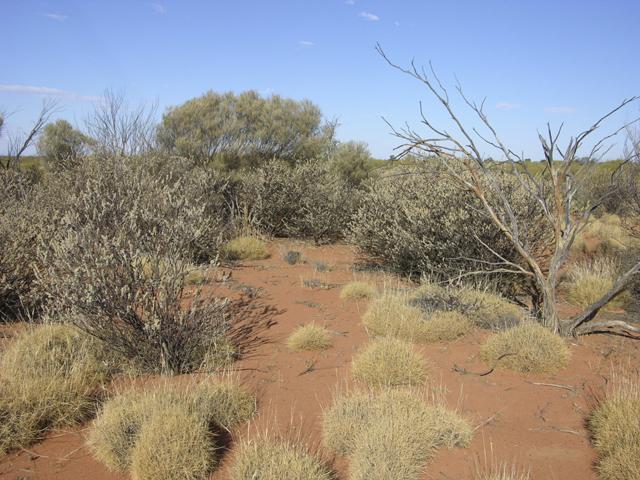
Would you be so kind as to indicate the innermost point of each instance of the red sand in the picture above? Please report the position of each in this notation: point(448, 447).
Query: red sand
point(519, 420)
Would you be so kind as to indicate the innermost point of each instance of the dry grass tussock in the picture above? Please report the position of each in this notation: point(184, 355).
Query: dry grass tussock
point(615, 427)
point(589, 280)
point(502, 472)
point(491, 311)
point(388, 362)
point(358, 290)
point(267, 459)
point(604, 235)
point(528, 347)
point(309, 337)
point(50, 377)
point(245, 248)
point(117, 432)
point(390, 434)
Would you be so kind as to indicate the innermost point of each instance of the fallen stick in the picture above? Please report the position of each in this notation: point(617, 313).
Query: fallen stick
point(556, 385)
point(464, 371)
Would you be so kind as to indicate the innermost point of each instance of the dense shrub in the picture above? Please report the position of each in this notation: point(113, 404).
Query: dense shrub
point(308, 200)
point(418, 222)
point(116, 261)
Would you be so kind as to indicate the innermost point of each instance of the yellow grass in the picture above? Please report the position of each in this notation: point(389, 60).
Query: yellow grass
point(388, 362)
point(615, 426)
point(50, 377)
point(115, 432)
point(245, 248)
point(309, 337)
point(357, 290)
point(267, 459)
point(590, 280)
point(390, 434)
point(529, 347)
point(491, 310)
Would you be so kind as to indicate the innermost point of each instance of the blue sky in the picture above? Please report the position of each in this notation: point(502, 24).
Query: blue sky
point(534, 61)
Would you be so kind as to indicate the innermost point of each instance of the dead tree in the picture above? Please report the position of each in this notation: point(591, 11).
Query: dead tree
point(115, 128)
point(554, 189)
point(19, 143)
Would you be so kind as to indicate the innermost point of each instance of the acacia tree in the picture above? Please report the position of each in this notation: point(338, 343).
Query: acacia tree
point(554, 189)
point(61, 144)
point(245, 129)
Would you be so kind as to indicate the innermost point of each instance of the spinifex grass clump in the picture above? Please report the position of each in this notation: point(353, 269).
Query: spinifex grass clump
point(130, 427)
point(615, 426)
point(50, 377)
point(268, 459)
point(389, 362)
point(390, 434)
point(309, 337)
point(357, 290)
point(590, 280)
point(529, 347)
point(245, 248)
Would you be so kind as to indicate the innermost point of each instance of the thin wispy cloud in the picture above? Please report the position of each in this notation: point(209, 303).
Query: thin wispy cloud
point(371, 17)
point(306, 43)
point(507, 106)
point(350, 2)
point(396, 23)
point(46, 91)
point(159, 8)
point(58, 17)
point(560, 109)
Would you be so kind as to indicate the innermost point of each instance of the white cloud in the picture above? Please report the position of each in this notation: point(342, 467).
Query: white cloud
point(507, 106)
point(48, 91)
point(58, 17)
point(559, 109)
point(350, 2)
point(372, 17)
point(159, 8)
point(306, 43)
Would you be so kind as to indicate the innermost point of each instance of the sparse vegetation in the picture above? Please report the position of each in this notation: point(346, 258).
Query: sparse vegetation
point(245, 248)
point(528, 347)
point(388, 362)
point(357, 290)
point(268, 459)
point(615, 426)
point(292, 257)
point(309, 337)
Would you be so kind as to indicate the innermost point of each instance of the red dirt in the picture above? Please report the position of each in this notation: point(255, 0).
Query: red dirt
point(536, 426)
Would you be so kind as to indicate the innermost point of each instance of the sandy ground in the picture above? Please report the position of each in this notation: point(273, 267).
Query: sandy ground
point(535, 421)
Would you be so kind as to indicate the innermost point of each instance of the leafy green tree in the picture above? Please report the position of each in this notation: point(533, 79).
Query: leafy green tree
point(352, 162)
point(245, 129)
point(61, 144)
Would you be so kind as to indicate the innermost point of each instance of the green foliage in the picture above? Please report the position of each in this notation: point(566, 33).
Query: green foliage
point(351, 160)
point(62, 145)
point(244, 130)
